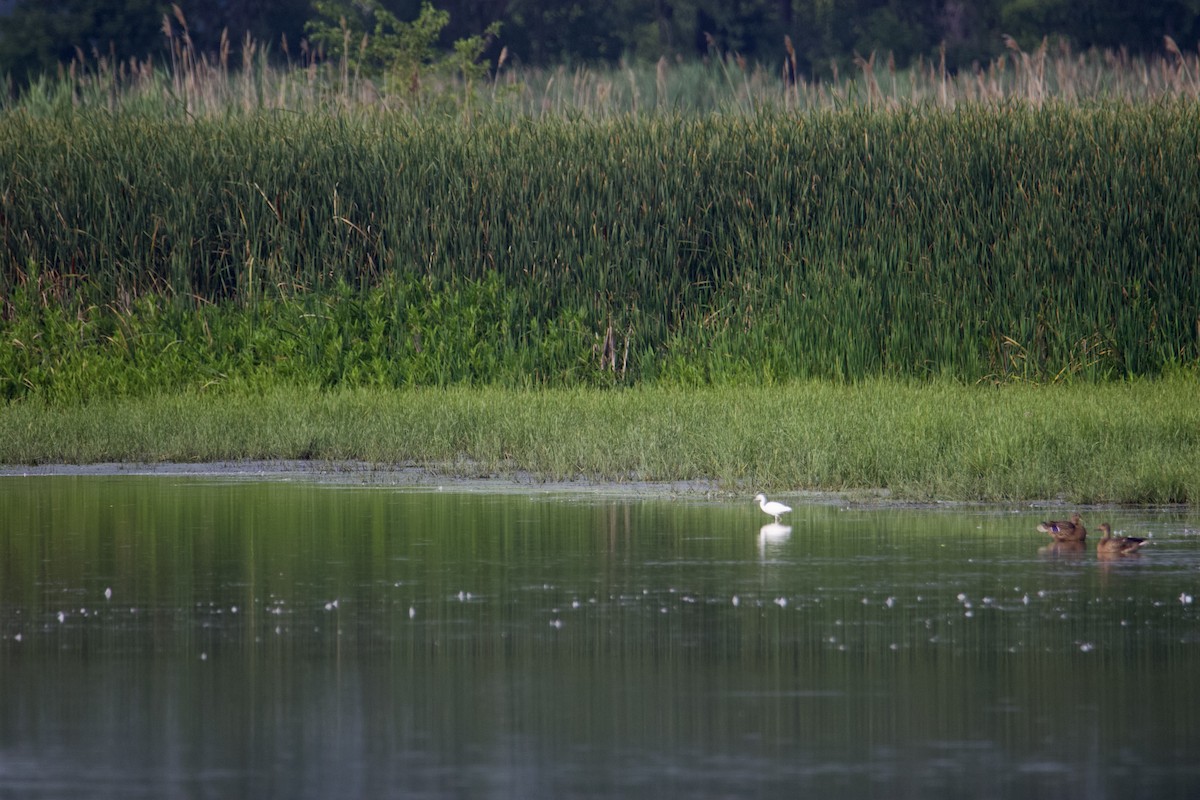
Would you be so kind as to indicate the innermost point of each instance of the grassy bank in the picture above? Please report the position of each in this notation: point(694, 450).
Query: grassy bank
point(849, 290)
point(1125, 442)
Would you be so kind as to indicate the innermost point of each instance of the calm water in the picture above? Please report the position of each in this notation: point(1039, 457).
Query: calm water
point(182, 637)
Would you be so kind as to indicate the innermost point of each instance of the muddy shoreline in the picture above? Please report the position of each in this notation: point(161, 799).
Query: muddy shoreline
point(460, 477)
point(364, 473)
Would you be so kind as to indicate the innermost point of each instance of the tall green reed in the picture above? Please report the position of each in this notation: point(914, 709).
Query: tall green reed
point(1005, 243)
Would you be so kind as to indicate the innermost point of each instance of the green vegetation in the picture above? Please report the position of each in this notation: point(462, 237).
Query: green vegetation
point(980, 287)
point(400, 334)
point(371, 41)
point(1128, 442)
point(979, 244)
point(403, 72)
point(822, 36)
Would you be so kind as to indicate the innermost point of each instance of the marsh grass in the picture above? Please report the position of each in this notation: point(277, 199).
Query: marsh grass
point(1006, 244)
point(253, 76)
point(1133, 442)
point(615, 274)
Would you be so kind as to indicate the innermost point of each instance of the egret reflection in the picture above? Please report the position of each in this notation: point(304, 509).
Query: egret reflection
point(772, 534)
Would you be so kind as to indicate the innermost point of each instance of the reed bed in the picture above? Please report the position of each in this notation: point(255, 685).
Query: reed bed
point(1133, 442)
point(253, 77)
point(1000, 243)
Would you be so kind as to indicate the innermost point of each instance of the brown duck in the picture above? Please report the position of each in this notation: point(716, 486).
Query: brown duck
point(1119, 545)
point(1071, 530)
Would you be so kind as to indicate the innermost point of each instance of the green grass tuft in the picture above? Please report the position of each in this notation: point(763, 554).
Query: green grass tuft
point(1135, 442)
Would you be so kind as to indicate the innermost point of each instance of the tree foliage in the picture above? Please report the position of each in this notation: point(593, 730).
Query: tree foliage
point(38, 35)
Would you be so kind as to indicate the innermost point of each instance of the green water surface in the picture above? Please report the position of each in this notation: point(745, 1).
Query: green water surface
point(175, 636)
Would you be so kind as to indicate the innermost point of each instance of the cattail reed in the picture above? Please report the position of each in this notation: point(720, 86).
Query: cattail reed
point(985, 243)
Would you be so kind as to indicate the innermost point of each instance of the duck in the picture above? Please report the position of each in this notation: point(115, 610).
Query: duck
point(1120, 545)
point(1071, 530)
point(775, 509)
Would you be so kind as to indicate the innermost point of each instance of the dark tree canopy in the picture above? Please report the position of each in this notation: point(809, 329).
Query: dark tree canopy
point(37, 35)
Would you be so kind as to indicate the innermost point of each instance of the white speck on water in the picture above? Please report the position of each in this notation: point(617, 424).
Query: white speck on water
point(108, 593)
point(17, 637)
point(962, 598)
point(891, 601)
point(556, 623)
point(574, 604)
point(865, 601)
point(331, 605)
point(781, 602)
point(62, 617)
point(233, 609)
point(1185, 598)
point(412, 612)
point(204, 656)
point(1025, 599)
point(735, 600)
point(1086, 647)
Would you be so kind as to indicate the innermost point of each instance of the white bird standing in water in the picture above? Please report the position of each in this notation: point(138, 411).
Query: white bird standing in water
point(771, 507)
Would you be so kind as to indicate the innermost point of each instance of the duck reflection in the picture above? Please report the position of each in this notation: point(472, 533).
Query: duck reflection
point(772, 535)
point(1063, 550)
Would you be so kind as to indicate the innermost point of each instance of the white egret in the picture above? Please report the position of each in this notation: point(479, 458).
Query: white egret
point(771, 507)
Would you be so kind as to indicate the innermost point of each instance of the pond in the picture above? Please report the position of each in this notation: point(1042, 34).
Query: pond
point(202, 637)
